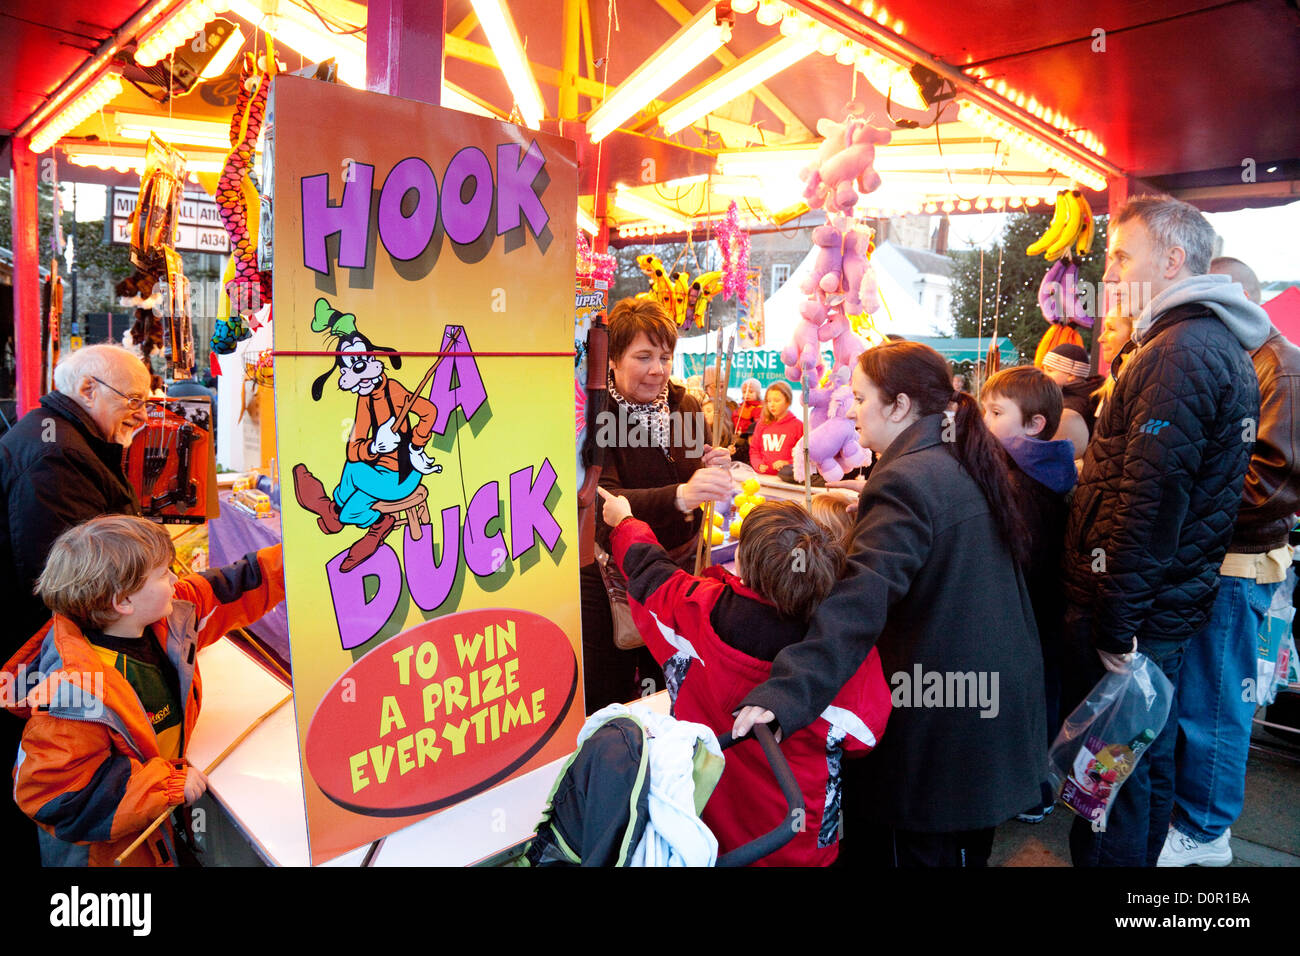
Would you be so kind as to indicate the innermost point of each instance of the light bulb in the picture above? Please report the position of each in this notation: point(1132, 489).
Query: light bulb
point(768, 13)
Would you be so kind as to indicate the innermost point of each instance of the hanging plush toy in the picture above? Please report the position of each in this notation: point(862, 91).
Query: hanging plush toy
point(1068, 239)
point(842, 167)
point(842, 283)
point(833, 444)
point(246, 287)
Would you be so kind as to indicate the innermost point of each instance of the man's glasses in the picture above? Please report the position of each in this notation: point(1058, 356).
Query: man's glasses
point(133, 402)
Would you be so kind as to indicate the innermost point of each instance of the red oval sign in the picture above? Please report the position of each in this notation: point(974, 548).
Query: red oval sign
point(442, 712)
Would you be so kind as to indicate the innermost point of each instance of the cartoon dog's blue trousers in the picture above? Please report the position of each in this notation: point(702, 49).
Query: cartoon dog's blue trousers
point(362, 485)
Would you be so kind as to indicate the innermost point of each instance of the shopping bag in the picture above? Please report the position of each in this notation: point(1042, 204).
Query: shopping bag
point(1275, 642)
point(1102, 741)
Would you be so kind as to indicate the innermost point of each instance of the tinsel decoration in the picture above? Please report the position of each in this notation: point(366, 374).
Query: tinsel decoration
point(733, 243)
point(594, 266)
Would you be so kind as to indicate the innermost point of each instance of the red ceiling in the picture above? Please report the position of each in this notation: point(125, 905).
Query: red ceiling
point(42, 42)
point(1182, 85)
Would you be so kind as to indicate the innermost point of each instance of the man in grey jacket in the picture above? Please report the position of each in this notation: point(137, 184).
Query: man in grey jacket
point(1159, 491)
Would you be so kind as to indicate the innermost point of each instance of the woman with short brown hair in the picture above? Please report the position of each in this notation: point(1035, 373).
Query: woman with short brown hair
point(655, 455)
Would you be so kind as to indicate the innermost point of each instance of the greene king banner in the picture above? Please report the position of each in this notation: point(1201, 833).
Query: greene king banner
point(429, 504)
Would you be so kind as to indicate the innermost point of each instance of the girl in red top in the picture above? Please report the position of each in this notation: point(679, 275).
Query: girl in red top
point(772, 446)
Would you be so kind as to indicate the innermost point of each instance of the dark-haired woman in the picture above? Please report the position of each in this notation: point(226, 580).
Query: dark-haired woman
point(933, 582)
point(655, 456)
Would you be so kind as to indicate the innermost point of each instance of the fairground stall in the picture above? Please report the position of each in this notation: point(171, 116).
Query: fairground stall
point(416, 204)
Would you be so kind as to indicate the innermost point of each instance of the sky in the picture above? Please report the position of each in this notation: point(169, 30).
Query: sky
point(1255, 236)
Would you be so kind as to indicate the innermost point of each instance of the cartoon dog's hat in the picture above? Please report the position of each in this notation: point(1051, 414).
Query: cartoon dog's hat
point(343, 327)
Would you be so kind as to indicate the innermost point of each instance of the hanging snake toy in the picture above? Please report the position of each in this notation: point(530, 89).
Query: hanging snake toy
point(239, 205)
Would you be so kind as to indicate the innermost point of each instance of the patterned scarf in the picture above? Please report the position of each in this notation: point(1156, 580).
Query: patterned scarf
point(653, 415)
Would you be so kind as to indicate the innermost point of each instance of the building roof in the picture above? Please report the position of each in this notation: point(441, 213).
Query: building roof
point(925, 261)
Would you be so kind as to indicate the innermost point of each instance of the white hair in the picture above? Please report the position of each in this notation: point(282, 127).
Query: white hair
point(1171, 222)
point(92, 361)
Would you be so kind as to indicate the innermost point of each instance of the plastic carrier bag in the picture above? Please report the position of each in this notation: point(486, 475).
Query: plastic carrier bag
point(1102, 741)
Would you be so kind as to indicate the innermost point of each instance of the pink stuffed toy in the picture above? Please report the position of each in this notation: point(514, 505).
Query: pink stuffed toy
point(836, 177)
point(833, 440)
point(827, 267)
point(802, 354)
point(860, 289)
point(847, 347)
point(836, 324)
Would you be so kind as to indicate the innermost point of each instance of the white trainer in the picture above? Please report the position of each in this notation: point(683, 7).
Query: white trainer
point(1182, 850)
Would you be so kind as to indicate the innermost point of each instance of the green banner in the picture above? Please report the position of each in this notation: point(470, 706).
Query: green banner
point(762, 364)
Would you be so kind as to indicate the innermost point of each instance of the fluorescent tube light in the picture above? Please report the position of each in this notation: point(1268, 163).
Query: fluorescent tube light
point(686, 49)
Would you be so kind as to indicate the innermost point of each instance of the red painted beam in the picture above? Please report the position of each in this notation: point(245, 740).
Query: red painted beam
point(404, 48)
point(27, 278)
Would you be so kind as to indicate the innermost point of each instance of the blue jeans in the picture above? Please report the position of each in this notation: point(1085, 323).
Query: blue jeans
point(1215, 709)
point(1139, 818)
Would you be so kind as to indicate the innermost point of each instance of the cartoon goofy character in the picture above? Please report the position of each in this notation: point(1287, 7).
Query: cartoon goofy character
point(385, 454)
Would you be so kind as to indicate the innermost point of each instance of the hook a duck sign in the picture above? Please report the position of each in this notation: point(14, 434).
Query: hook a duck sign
point(430, 540)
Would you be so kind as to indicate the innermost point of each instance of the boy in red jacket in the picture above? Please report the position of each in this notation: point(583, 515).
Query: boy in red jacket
point(716, 637)
point(110, 688)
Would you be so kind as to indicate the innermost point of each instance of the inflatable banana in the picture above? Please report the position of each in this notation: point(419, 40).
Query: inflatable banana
point(702, 291)
point(681, 282)
point(1054, 336)
point(1049, 294)
point(660, 285)
point(1073, 226)
point(1059, 218)
point(1084, 244)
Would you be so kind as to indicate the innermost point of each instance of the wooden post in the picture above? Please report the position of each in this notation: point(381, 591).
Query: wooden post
point(27, 278)
point(404, 48)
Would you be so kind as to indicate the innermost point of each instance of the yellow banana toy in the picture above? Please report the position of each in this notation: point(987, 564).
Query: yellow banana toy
point(1054, 229)
point(659, 282)
point(1073, 225)
point(681, 286)
point(1084, 244)
point(702, 291)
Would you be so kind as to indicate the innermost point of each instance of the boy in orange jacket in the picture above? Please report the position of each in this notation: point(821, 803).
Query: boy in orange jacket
point(110, 688)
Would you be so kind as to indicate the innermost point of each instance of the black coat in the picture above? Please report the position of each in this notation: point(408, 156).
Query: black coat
point(648, 478)
point(1162, 481)
point(56, 471)
point(932, 585)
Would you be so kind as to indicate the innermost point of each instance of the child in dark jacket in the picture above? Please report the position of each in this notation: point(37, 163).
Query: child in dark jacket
point(716, 637)
point(1021, 405)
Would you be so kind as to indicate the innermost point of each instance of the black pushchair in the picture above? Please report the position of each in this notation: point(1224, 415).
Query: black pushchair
point(598, 808)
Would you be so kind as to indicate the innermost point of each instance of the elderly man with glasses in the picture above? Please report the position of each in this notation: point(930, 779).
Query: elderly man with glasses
point(60, 465)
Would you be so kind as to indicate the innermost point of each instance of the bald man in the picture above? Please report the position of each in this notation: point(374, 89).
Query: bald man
point(60, 465)
point(1215, 698)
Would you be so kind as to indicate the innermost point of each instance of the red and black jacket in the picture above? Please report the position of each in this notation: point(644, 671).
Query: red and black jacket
point(716, 639)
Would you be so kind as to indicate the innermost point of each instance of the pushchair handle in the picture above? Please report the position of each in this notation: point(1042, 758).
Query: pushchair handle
point(795, 818)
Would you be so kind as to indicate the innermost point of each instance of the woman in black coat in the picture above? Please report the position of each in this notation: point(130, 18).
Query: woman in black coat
point(934, 582)
point(653, 437)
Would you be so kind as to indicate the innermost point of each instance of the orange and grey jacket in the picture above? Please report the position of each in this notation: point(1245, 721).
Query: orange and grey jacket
point(89, 770)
